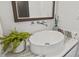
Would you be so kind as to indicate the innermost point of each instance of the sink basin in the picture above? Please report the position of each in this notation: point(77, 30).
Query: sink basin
point(47, 43)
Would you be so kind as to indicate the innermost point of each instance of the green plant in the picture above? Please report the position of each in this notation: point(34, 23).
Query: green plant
point(14, 38)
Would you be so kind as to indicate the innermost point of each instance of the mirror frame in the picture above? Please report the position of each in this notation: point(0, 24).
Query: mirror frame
point(31, 19)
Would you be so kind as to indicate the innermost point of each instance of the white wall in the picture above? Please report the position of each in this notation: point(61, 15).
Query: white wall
point(68, 12)
point(8, 24)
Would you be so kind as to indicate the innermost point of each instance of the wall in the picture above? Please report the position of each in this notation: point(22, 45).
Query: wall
point(69, 17)
point(8, 24)
point(68, 12)
point(1, 31)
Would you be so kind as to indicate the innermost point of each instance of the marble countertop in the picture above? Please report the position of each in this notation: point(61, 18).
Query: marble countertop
point(69, 44)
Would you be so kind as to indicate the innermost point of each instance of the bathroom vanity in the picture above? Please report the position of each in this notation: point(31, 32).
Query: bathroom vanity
point(70, 50)
point(68, 22)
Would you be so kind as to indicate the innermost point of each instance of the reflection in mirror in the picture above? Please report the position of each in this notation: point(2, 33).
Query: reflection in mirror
point(33, 10)
point(22, 9)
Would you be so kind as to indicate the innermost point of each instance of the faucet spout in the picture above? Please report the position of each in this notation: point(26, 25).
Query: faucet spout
point(42, 23)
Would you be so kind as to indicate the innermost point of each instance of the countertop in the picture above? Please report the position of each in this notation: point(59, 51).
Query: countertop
point(69, 45)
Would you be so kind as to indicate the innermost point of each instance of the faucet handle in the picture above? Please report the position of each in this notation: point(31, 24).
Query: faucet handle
point(44, 22)
point(41, 22)
point(38, 22)
point(32, 22)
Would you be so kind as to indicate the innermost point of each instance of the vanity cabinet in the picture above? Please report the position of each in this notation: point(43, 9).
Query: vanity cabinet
point(77, 52)
point(73, 52)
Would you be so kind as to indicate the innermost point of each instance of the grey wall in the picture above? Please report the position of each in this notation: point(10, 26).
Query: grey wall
point(8, 24)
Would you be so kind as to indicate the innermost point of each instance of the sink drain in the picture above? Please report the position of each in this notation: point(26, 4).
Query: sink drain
point(47, 43)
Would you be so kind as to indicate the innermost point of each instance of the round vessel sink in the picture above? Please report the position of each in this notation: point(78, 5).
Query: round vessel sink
point(47, 43)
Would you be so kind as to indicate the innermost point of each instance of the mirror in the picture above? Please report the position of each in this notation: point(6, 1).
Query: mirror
point(33, 10)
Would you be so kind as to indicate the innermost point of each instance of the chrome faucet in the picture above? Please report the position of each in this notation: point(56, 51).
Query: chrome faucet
point(43, 23)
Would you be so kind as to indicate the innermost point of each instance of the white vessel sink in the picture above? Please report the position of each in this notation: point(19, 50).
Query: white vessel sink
point(47, 42)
